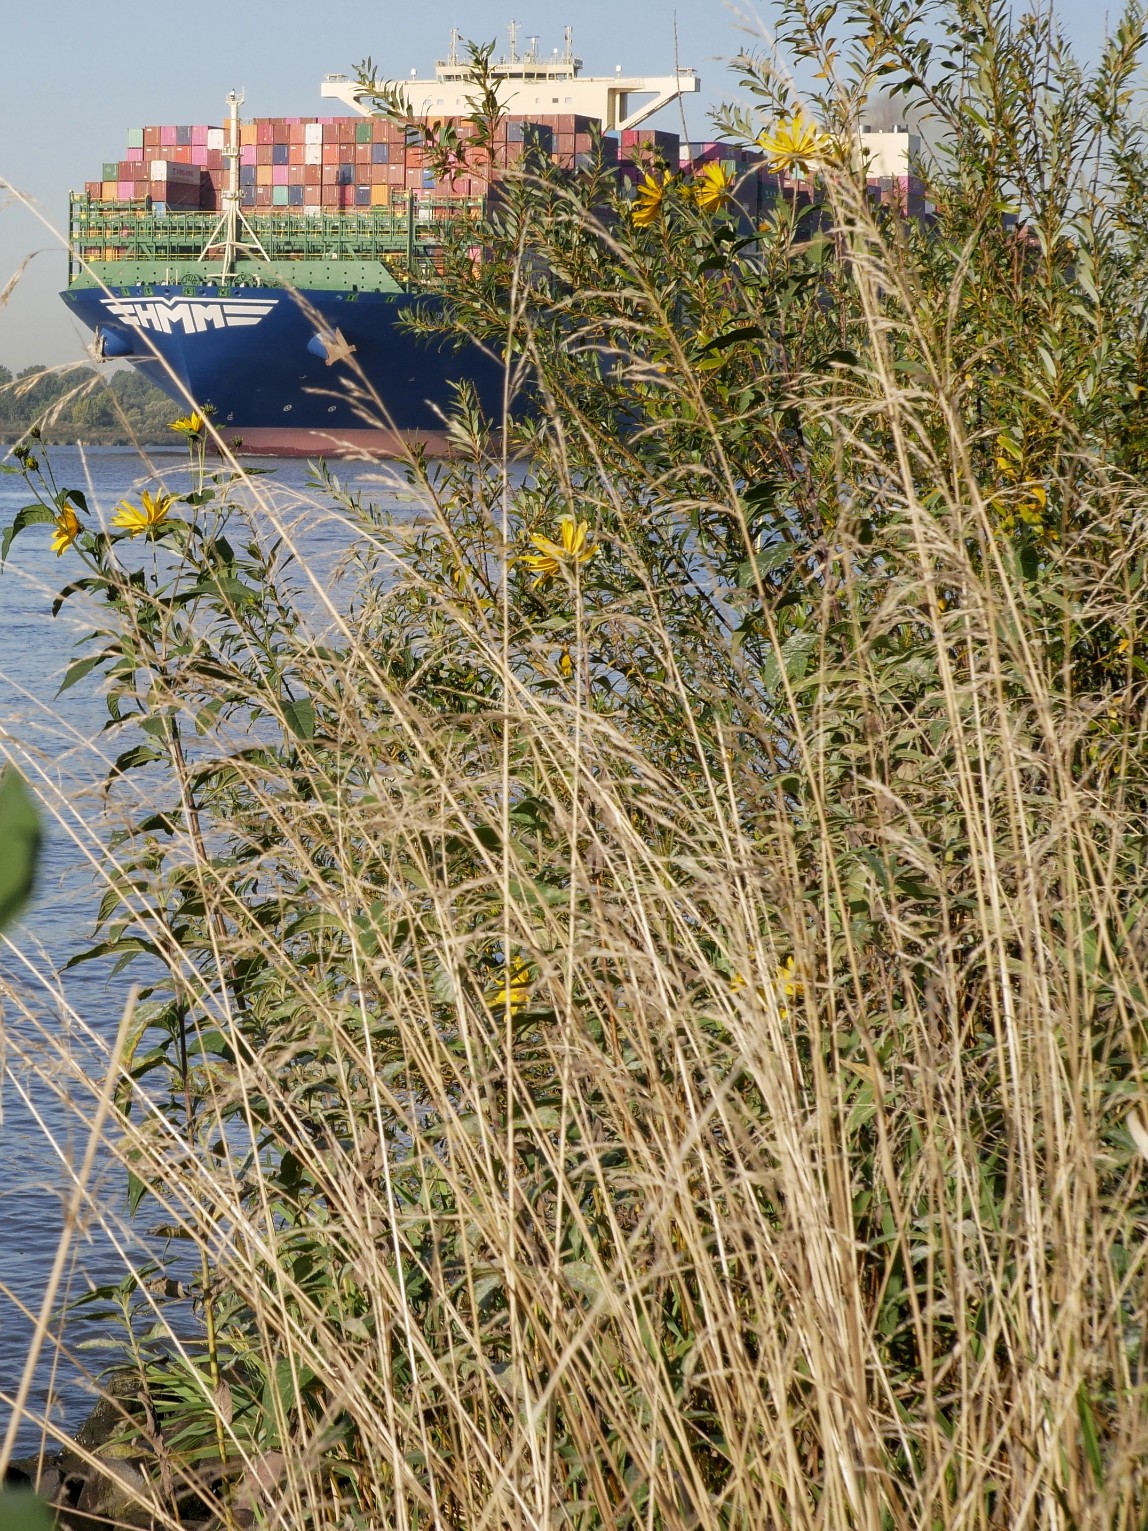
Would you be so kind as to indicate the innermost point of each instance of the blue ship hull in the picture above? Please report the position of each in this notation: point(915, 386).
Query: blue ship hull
point(313, 373)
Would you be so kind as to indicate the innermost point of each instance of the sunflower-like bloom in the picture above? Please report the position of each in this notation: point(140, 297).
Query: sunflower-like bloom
point(572, 549)
point(188, 425)
point(711, 187)
point(146, 516)
point(795, 144)
point(67, 530)
point(786, 985)
point(511, 990)
point(647, 205)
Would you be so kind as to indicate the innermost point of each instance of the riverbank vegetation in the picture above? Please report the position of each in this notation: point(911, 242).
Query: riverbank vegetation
point(642, 1011)
point(82, 404)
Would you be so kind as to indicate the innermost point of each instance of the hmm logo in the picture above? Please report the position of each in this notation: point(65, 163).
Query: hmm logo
point(166, 316)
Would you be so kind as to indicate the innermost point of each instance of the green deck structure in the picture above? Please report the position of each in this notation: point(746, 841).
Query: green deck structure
point(114, 244)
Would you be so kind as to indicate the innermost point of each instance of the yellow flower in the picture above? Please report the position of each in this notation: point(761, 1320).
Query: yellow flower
point(786, 985)
point(796, 143)
point(786, 981)
point(153, 510)
point(189, 425)
point(552, 555)
point(67, 530)
point(512, 988)
point(647, 204)
point(711, 187)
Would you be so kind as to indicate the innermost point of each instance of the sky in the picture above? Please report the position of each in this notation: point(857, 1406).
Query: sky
point(76, 75)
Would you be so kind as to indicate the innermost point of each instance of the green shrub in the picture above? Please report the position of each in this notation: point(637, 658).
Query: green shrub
point(651, 1019)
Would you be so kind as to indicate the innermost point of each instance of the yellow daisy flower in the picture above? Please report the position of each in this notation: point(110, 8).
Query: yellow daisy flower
point(188, 425)
point(572, 549)
point(647, 204)
point(67, 530)
point(711, 187)
point(795, 144)
point(152, 510)
point(511, 989)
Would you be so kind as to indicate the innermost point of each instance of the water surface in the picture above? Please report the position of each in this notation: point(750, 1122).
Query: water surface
point(59, 740)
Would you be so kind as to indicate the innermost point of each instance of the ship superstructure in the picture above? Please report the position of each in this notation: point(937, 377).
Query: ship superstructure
point(531, 83)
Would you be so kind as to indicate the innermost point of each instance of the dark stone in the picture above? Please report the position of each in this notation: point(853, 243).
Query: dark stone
point(109, 1414)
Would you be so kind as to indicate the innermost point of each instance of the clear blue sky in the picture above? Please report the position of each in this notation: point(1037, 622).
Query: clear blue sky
point(76, 74)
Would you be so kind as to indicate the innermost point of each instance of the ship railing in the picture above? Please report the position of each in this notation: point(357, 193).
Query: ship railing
point(131, 231)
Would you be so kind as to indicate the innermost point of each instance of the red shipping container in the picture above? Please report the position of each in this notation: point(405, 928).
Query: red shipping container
point(265, 131)
point(181, 154)
point(295, 175)
point(332, 154)
point(312, 175)
point(213, 159)
point(312, 195)
point(151, 138)
point(362, 154)
point(94, 189)
point(264, 154)
point(263, 196)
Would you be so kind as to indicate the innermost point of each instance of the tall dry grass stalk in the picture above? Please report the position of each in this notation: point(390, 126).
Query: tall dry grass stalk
point(624, 1084)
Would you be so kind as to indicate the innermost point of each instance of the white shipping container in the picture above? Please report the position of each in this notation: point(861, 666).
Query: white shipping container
point(174, 171)
point(215, 138)
point(312, 134)
point(312, 154)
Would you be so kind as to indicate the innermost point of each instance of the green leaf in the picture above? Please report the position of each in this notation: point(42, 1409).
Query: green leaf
point(31, 515)
point(767, 561)
point(794, 658)
point(19, 845)
point(1089, 1432)
point(300, 716)
point(77, 671)
point(731, 338)
point(21, 1510)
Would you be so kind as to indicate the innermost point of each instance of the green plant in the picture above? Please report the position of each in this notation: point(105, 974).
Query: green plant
point(650, 1016)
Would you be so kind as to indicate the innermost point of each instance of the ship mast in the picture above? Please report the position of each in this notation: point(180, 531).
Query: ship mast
point(226, 238)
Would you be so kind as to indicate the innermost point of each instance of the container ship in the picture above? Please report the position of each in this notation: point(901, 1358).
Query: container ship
point(262, 268)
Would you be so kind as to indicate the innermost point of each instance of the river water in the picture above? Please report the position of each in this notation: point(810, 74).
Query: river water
point(58, 740)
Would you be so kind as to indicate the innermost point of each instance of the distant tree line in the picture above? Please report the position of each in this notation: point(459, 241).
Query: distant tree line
point(82, 403)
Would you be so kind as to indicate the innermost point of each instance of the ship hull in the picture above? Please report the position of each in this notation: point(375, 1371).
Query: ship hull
point(311, 373)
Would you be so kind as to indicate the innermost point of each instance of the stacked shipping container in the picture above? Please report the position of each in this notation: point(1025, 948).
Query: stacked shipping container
point(325, 163)
point(331, 164)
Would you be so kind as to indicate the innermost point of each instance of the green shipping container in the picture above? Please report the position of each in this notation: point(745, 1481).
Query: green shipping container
point(279, 197)
point(111, 170)
point(363, 132)
point(135, 138)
